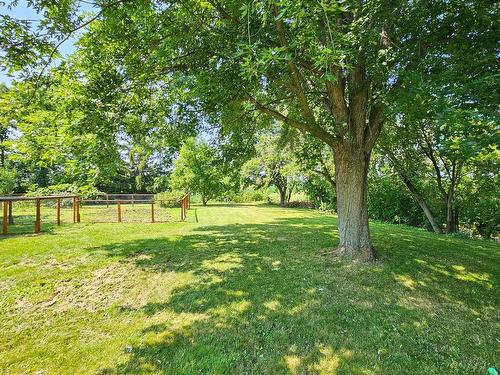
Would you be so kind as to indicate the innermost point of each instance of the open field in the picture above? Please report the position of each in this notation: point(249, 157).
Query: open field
point(245, 290)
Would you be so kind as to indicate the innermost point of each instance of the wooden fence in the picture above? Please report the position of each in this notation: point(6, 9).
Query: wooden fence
point(8, 216)
point(107, 209)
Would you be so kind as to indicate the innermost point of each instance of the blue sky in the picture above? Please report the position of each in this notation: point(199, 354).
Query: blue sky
point(22, 11)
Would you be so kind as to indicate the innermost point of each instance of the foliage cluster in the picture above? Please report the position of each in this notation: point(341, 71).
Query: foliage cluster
point(170, 198)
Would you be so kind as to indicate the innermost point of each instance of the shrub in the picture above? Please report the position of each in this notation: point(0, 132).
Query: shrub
point(246, 196)
point(389, 200)
point(300, 204)
point(252, 196)
point(320, 193)
point(170, 198)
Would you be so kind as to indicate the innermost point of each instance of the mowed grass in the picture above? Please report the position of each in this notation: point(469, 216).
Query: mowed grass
point(245, 291)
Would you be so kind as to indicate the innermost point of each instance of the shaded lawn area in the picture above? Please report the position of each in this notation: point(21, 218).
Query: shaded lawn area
point(245, 290)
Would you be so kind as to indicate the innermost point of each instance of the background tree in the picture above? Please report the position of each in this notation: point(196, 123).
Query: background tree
point(274, 164)
point(197, 170)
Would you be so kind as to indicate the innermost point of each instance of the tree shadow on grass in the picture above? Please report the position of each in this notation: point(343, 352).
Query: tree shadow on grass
point(261, 300)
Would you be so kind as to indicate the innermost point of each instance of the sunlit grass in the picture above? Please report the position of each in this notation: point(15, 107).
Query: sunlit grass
point(245, 290)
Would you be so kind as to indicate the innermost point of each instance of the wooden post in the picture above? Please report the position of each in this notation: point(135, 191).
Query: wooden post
point(5, 222)
point(74, 210)
point(58, 211)
point(153, 212)
point(77, 209)
point(119, 206)
point(11, 217)
point(38, 224)
point(182, 209)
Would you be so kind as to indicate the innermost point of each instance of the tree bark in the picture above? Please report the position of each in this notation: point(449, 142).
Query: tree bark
point(451, 216)
point(289, 193)
point(204, 199)
point(351, 175)
point(282, 197)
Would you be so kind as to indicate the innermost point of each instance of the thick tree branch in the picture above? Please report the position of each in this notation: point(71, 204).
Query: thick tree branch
point(315, 130)
point(338, 106)
point(358, 100)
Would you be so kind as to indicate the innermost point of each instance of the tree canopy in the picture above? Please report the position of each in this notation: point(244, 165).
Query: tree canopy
point(149, 74)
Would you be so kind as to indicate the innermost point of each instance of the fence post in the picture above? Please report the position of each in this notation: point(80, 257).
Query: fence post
point(119, 206)
point(107, 201)
point(11, 217)
point(5, 223)
point(182, 209)
point(58, 211)
point(153, 212)
point(74, 210)
point(78, 209)
point(38, 223)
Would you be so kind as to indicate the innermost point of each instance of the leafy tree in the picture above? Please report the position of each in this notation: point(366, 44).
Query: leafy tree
point(275, 165)
point(197, 170)
point(447, 113)
point(438, 140)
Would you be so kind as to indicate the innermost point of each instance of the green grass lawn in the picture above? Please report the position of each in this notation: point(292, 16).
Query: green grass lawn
point(245, 291)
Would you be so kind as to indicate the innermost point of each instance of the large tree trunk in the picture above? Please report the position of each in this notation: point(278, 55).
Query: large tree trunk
point(351, 175)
